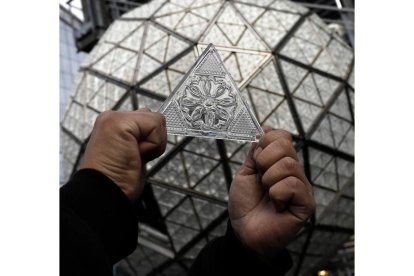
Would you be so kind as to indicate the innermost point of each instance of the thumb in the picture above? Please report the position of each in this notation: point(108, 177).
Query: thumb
point(249, 165)
point(150, 131)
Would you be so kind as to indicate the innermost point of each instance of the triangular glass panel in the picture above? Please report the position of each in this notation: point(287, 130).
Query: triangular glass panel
point(119, 63)
point(144, 11)
point(191, 26)
point(282, 118)
point(307, 112)
point(197, 167)
point(214, 184)
point(341, 107)
point(324, 133)
point(207, 103)
point(348, 142)
point(207, 211)
point(107, 96)
point(265, 102)
point(251, 13)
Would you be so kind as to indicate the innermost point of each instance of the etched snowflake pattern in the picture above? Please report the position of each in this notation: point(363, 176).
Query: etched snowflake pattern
point(208, 104)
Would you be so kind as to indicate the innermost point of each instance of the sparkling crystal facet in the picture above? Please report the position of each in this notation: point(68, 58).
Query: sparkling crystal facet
point(207, 103)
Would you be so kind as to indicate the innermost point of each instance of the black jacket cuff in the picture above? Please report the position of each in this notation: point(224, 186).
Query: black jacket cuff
point(279, 265)
point(105, 209)
point(228, 256)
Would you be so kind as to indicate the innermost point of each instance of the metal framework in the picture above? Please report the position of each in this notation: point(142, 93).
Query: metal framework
point(293, 70)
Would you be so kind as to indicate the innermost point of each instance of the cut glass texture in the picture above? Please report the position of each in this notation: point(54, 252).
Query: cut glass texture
point(207, 103)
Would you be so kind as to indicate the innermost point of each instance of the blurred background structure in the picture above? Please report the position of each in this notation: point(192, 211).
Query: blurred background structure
point(293, 61)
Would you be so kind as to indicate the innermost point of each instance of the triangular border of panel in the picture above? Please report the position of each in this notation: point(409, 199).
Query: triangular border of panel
point(207, 103)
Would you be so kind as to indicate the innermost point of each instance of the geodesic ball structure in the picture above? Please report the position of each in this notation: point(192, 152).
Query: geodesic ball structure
point(295, 74)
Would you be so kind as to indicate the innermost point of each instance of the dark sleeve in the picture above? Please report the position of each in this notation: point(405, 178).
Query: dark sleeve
point(227, 256)
point(98, 226)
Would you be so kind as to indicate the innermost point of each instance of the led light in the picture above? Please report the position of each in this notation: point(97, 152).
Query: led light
point(323, 273)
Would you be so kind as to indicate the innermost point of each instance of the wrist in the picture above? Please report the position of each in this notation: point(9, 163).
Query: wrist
point(262, 245)
point(277, 261)
point(129, 180)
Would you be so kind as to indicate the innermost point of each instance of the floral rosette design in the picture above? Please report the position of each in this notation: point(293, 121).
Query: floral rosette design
point(207, 105)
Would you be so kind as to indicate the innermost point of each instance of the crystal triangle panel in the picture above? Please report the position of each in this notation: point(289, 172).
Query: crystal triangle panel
point(119, 63)
point(97, 53)
point(340, 128)
point(133, 41)
point(307, 91)
point(197, 167)
point(158, 84)
point(324, 133)
point(341, 107)
point(214, 185)
point(250, 13)
point(293, 74)
point(282, 118)
point(207, 211)
point(106, 97)
point(173, 172)
point(265, 102)
point(207, 103)
point(191, 26)
point(166, 198)
point(231, 30)
point(145, 11)
point(307, 112)
point(119, 30)
point(347, 144)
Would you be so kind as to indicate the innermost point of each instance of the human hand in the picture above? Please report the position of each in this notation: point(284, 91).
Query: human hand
point(121, 143)
point(270, 197)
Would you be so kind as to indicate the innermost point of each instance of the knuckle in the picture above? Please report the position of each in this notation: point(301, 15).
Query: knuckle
point(289, 164)
point(293, 182)
point(261, 161)
point(283, 144)
point(273, 135)
point(105, 117)
point(283, 133)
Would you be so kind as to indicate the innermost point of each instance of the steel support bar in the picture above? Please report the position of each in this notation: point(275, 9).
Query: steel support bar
point(112, 80)
point(310, 68)
point(331, 151)
point(348, 97)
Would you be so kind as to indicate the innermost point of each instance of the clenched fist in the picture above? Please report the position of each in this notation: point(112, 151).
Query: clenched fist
point(270, 197)
point(121, 143)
